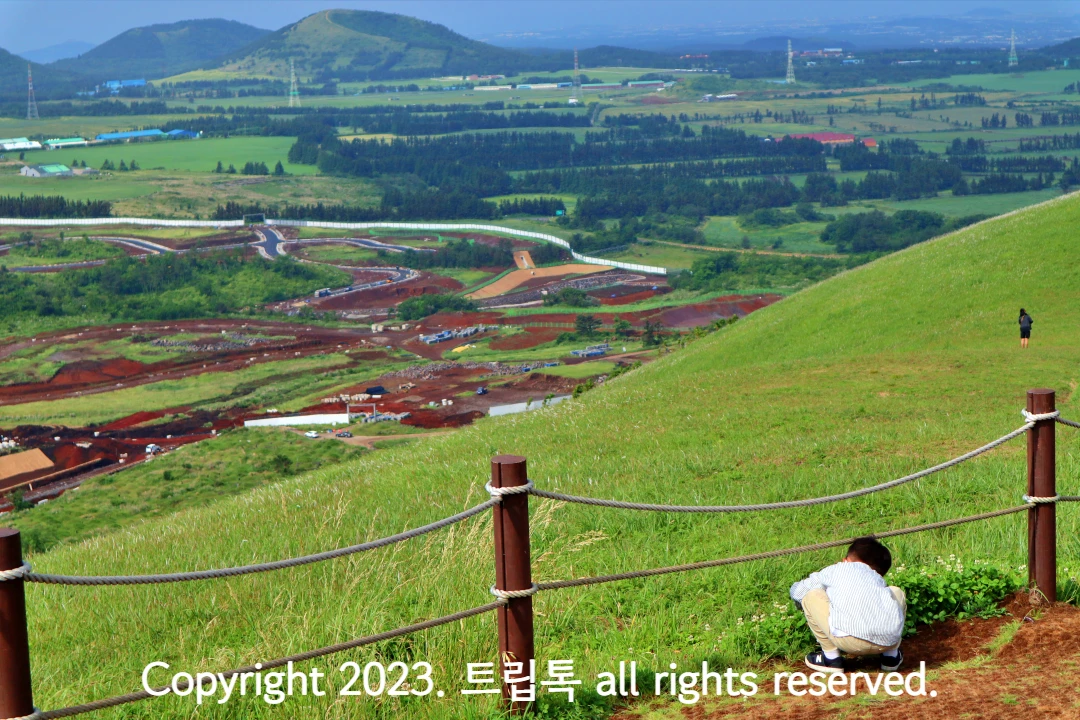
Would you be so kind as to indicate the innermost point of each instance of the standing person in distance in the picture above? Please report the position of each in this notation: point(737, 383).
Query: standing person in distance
point(1025, 327)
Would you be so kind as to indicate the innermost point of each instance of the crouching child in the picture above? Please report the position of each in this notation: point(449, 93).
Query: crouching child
point(851, 610)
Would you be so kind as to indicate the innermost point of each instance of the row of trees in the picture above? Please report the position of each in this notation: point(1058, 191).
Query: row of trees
point(876, 232)
point(250, 168)
point(42, 206)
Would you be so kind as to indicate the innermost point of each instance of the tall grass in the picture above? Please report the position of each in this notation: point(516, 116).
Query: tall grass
point(870, 375)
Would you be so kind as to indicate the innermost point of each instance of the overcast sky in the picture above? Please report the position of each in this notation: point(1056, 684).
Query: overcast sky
point(33, 24)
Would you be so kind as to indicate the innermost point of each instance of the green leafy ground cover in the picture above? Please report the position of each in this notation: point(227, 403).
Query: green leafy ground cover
point(875, 373)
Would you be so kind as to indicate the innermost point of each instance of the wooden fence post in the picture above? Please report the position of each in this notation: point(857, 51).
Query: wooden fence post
point(513, 571)
point(1042, 482)
point(16, 693)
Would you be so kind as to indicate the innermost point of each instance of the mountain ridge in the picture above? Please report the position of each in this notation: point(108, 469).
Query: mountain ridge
point(160, 50)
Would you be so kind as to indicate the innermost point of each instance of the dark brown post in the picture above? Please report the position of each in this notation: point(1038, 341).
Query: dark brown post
point(1042, 482)
point(513, 569)
point(16, 695)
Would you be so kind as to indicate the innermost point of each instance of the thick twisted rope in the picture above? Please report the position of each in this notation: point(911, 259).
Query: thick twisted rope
point(14, 574)
point(578, 582)
point(788, 503)
point(498, 492)
point(261, 567)
point(1070, 423)
point(1036, 500)
point(1036, 417)
point(280, 662)
point(511, 594)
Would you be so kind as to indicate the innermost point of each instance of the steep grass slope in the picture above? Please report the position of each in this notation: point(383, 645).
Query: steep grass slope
point(865, 377)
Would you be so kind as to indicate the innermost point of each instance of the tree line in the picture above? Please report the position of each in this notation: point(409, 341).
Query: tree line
point(52, 206)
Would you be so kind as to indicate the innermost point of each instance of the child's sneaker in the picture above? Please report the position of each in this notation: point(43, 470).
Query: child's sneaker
point(890, 664)
point(817, 661)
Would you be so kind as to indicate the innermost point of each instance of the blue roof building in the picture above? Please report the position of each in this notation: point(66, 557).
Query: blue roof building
point(130, 135)
point(181, 134)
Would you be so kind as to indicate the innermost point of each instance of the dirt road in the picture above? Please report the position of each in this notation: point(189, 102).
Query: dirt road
point(519, 277)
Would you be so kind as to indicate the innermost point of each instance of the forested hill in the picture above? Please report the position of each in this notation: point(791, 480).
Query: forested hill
point(160, 50)
point(49, 82)
point(353, 45)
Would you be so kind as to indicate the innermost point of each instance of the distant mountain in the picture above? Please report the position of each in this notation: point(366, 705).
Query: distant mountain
point(361, 45)
point(158, 51)
point(60, 51)
point(1067, 49)
point(49, 82)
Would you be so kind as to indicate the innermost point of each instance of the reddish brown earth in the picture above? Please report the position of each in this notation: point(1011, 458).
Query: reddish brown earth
point(87, 377)
point(381, 297)
point(704, 313)
point(1032, 676)
point(225, 238)
point(626, 294)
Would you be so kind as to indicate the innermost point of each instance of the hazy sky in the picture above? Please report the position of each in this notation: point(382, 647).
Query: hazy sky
point(33, 24)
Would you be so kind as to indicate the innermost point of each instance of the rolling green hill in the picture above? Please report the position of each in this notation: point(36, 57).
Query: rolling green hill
point(870, 375)
point(362, 45)
point(157, 51)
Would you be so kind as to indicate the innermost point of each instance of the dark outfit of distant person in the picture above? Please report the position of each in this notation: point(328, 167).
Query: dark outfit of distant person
point(1025, 328)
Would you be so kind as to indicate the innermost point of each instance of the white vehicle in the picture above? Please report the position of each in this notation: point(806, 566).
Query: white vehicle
point(311, 434)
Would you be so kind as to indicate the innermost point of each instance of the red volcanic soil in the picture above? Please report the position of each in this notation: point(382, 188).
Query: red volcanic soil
point(657, 100)
point(90, 372)
point(626, 294)
point(426, 284)
point(528, 339)
point(135, 419)
point(1037, 666)
point(704, 313)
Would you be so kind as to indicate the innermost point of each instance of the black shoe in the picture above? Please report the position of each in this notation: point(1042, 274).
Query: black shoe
point(817, 661)
point(891, 664)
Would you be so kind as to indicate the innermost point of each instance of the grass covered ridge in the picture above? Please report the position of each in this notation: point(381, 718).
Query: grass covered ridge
point(880, 371)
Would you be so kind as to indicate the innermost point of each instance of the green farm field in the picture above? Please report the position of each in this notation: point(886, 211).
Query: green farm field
point(871, 375)
point(579, 371)
point(198, 155)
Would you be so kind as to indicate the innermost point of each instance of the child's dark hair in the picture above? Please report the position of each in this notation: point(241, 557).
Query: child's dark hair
point(871, 552)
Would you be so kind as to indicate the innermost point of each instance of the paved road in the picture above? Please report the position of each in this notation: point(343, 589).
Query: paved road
point(363, 242)
point(272, 243)
point(150, 247)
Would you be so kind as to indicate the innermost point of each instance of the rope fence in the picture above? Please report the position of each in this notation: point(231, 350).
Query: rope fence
point(513, 590)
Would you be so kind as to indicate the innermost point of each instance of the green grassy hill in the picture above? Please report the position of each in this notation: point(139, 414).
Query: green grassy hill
point(873, 374)
point(358, 44)
point(158, 51)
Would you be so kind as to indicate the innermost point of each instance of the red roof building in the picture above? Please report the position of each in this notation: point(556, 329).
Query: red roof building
point(827, 138)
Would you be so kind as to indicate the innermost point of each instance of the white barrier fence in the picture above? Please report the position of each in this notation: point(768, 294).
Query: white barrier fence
point(151, 222)
point(650, 269)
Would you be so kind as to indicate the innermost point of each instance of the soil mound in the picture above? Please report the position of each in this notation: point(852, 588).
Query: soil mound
point(88, 372)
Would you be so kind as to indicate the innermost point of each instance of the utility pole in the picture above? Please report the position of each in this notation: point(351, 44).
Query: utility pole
point(1013, 59)
point(577, 79)
point(790, 65)
point(31, 101)
point(294, 92)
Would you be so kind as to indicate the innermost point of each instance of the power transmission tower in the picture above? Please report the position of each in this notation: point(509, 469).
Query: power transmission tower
point(31, 101)
point(1013, 59)
point(577, 79)
point(294, 92)
point(790, 65)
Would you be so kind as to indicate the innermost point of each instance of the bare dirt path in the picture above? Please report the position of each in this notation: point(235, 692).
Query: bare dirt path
point(519, 277)
point(1020, 665)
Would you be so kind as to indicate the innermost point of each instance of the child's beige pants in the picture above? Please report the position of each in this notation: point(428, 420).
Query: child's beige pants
point(816, 608)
